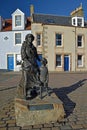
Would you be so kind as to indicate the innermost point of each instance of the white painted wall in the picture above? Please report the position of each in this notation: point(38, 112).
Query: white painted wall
point(7, 46)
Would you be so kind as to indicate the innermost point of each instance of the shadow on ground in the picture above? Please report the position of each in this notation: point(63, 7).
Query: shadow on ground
point(62, 94)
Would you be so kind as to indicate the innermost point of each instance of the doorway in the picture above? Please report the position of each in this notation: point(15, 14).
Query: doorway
point(66, 63)
point(10, 62)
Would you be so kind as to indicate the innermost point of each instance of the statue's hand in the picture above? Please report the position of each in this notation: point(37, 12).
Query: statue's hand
point(26, 64)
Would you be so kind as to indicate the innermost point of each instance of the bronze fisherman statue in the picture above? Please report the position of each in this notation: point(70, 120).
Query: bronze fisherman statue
point(32, 75)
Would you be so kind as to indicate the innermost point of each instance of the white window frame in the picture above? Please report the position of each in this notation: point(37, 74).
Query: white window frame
point(79, 22)
point(80, 41)
point(18, 21)
point(80, 62)
point(18, 59)
point(75, 21)
point(15, 38)
point(59, 40)
point(59, 61)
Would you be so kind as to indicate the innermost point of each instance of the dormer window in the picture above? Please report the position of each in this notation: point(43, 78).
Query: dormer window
point(78, 21)
point(18, 20)
point(74, 22)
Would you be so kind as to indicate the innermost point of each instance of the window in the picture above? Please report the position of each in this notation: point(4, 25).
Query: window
point(18, 20)
point(17, 38)
point(74, 22)
point(38, 38)
point(58, 60)
point(18, 59)
point(78, 21)
point(58, 39)
point(80, 60)
point(79, 40)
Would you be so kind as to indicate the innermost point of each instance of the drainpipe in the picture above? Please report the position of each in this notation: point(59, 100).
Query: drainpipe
point(43, 52)
point(75, 50)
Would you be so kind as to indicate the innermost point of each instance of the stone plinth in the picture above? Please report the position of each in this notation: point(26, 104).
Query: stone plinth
point(37, 111)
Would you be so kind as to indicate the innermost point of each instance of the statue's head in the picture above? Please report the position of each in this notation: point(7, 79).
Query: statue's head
point(29, 36)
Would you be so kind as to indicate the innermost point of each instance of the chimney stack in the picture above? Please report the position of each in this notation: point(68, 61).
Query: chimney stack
point(78, 12)
point(31, 10)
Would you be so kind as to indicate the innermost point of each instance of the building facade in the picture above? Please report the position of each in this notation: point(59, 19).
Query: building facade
point(62, 40)
point(12, 35)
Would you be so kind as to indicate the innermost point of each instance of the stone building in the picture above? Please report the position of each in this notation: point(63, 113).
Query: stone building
point(61, 39)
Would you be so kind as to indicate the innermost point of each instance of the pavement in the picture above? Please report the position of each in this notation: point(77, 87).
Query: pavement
point(71, 89)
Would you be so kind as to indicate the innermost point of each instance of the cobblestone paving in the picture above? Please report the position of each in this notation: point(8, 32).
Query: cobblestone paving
point(71, 88)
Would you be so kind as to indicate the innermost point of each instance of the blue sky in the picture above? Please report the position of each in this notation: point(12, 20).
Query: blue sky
point(55, 7)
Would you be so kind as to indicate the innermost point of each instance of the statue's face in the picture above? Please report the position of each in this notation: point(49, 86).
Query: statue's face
point(29, 39)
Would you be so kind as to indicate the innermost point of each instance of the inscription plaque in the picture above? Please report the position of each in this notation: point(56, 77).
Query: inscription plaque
point(41, 107)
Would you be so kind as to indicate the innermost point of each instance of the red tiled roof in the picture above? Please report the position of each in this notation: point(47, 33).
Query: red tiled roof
point(8, 25)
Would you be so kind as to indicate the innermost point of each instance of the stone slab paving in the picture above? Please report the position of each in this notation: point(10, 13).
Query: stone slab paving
point(71, 88)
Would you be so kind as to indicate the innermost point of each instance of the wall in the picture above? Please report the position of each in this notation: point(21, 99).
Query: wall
point(69, 45)
point(8, 47)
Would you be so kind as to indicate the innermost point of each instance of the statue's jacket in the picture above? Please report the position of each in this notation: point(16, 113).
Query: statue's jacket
point(29, 55)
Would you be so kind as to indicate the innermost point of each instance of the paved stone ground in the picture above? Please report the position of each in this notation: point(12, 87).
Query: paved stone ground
point(71, 88)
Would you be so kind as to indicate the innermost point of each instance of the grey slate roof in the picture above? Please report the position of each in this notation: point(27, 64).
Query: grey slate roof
point(55, 20)
point(51, 19)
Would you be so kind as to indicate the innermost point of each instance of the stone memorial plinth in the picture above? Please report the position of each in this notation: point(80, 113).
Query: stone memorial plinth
point(38, 111)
